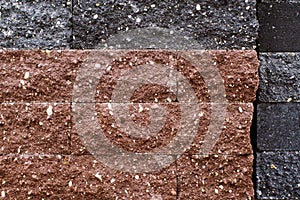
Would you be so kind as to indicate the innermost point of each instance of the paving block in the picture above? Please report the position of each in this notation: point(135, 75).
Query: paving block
point(215, 177)
point(278, 126)
point(35, 128)
point(278, 26)
point(37, 24)
point(165, 24)
point(278, 175)
point(279, 75)
point(82, 177)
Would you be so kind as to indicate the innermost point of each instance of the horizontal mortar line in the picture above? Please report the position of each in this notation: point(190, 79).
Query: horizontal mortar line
point(106, 154)
point(46, 103)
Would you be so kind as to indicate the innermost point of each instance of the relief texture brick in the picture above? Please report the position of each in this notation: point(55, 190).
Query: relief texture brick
point(278, 26)
point(278, 126)
point(35, 128)
point(81, 177)
point(279, 77)
point(213, 24)
point(215, 177)
point(278, 175)
point(38, 24)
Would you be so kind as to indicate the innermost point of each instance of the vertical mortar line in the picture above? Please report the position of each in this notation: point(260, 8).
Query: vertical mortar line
point(253, 129)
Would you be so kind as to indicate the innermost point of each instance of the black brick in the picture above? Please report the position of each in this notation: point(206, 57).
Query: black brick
point(218, 24)
point(278, 126)
point(279, 75)
point(279, 25)
point(40, 24)
point(278, 175)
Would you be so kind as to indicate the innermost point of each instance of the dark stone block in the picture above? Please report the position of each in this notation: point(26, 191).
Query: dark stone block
point(279, 25)
point(278, 175)
point(38, 24)
point(279, 75)
point(278, 126)
point(218, 24)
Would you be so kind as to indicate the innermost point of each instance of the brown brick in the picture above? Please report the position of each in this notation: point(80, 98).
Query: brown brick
point(215, 177)
point(234, 138)
point(80, 177)
point(28, 129)
point(49, 75)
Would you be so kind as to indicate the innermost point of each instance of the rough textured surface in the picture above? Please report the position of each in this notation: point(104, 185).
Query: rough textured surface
point(37, 24)
point(215, 177)
point(278, 175)
point(279, 25)
point(35, 128)
point(279, 75)
point(39, 76)
point(42, 76)
point(233, 140)
point(278, 126)
point(213, 24)
point(81, 177)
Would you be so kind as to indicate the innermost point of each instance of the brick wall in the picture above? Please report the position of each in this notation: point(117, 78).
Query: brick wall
point(62, 63)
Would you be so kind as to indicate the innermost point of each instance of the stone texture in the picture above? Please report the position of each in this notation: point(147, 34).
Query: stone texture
point(39, 76)
point(213, 24)
point(29, 129)
point(278, 175)
point(234, 138)
point(81, 177)
point(278, 126)
point(37, 24)
point(22, 73)
point(279, 74)
point(215, 177)
point(279, 26)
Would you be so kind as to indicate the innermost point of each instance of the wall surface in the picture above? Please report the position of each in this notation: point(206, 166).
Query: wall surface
point(187, 69)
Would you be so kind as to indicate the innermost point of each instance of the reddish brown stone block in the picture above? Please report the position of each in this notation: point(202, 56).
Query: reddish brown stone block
point(44, 76)
point(215, 177)
point(40, 76)
point(80, 177)
point(35, 128)
point(234, 138)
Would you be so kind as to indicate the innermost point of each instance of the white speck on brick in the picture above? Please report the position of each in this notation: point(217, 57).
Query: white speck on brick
point(95, 16)
point(98, 176)
point(198, 7)
point(49, 111)
point(240, 109)
point(136, 177)
point(70, 183)
point(138, 20)
point(26, 76)
point(3, 194)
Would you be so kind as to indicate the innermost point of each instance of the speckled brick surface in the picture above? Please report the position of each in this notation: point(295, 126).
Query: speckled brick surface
point(37, 24)
point(278, 175)
point(278, 25)
point(213, 24)
point(278, 126)
point(81, 177)
point(279, 77)
point(35, 128)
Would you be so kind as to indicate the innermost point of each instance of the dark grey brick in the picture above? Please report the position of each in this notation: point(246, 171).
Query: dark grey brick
point(217, 24)
point(278, 126)
point(279, 25)
point(278, 175)
point(280, 77)
point(27, 24)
